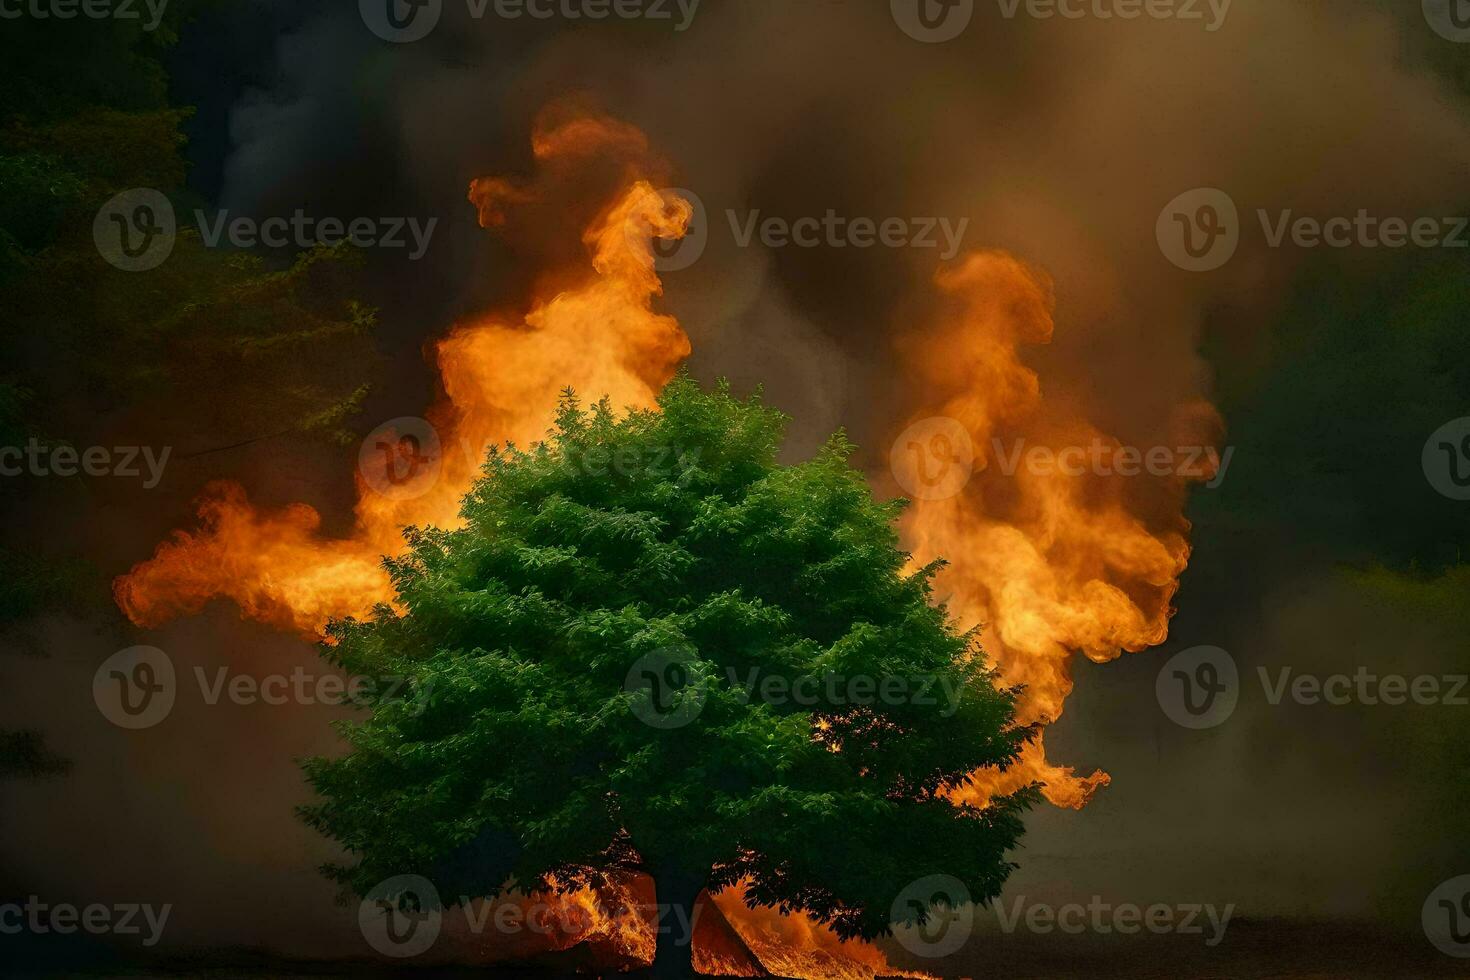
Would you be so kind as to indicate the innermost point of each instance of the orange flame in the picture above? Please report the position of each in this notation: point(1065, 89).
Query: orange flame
point(592, 328)
point(501, 377)
point(1050, 562)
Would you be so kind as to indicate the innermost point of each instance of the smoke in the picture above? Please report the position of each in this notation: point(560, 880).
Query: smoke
point(1058, 140)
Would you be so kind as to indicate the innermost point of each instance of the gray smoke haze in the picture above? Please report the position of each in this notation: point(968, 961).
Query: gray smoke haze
point(1058, 140)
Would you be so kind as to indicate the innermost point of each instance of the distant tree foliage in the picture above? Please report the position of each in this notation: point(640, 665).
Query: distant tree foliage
point(234, 346)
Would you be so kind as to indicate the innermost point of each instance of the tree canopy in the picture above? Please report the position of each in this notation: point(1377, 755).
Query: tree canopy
point(653, 646)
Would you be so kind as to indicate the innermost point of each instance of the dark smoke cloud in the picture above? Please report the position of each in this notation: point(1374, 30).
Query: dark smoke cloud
point(1058, 140)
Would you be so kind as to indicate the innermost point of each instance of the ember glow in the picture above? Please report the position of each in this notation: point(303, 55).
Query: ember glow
point(1051, 565)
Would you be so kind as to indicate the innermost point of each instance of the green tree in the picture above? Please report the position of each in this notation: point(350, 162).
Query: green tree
point(607, 669)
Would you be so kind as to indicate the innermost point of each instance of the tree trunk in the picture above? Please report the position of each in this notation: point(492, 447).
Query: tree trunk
point(675, 892)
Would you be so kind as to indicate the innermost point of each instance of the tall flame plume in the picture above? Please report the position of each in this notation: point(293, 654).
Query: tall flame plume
point(501, 377)
point(1050, 562)
point(1051, 565)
